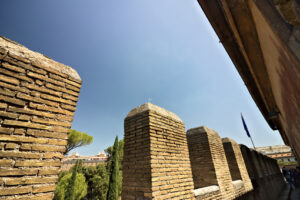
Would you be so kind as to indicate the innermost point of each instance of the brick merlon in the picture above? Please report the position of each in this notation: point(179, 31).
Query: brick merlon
point(201, 129)
point(155, 108)
point(15, 49)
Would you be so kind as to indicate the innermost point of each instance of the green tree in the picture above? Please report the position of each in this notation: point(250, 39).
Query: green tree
point(71, 186)
point(112, 193)
point(70, 193)
point(77, 139)
point(97, 179)
point(109, 151)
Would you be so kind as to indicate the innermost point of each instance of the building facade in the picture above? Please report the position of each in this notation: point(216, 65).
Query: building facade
point(69, 161)
point(281, 153)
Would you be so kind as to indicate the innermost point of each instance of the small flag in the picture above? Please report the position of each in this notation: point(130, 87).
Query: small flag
point(245, 126)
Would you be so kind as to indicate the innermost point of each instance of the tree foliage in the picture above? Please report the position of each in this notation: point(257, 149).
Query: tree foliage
point(77, 139)
point(113, 193)
point(71, 186)
point(97, 179)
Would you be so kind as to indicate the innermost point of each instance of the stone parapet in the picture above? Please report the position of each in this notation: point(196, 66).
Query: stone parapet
point(156, 159)
point(237, 166)
point(38, 98)
point(209, 163)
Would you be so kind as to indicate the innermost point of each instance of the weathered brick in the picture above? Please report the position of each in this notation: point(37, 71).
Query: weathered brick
point(37, 163)
point(45, 148)
point(39, 133)
point(45, 78)
point(68, 107)
point(26, 124)
point(41, 89)
point(35, 94)
point(43, 188)
point(31, 112)
point(24, 117)
point(12, 100)
point(3, 105)
point(16, 138)
point(15, 190)
point(51, 122)
point(15, 88)
point(6, 162)
point(16, 154)
point(50, 155)
point(36, 99)
point(64, 80)
point(13, 68)
point(36, 64)
point(19, 58)
point(72, 88)
point(11, 146)
point(8, 115)
point(41, 196)
point(29, 180)
point(9, 79)
point(18, 172)
point(6, 130)
point(61, 89)
point(61, 100)
point(55, 110)
point(48, 171)
point(58, 142)
point(64, 118)
point(7, 92)
point(38, 82)
point(60, 129)
point(67, 96)
point(16, 75)
point(24, 65)
point(19, 131)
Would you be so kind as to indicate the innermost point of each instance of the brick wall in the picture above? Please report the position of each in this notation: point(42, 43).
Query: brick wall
point(237, 165)
point(156, 158)
point(162, 162)
point(267, 181)
point(209, 163)
point(37, 103)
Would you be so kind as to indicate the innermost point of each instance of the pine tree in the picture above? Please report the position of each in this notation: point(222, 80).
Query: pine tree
point(70, 193)
point(112, 193)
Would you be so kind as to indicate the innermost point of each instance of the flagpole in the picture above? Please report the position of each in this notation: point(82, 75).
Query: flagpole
point(252, 143)
point(247, 131)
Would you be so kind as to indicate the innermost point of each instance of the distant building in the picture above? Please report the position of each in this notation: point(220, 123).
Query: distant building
point(281, 153)
point(69, 161)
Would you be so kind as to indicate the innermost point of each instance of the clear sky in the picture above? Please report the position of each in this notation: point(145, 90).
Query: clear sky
point(134, 51)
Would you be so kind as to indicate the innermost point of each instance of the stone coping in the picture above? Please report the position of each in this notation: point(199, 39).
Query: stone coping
point(237, 184)
point(16, 49)
point(206, 190)
point(155, 108)
point(201, 129)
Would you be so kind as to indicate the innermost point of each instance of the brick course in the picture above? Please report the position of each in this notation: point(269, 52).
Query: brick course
point(38, 97)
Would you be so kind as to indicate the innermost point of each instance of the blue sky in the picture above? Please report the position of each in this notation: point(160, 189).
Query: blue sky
point(131, 52)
